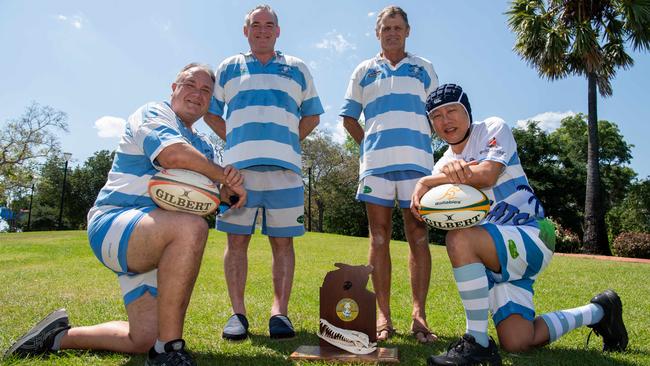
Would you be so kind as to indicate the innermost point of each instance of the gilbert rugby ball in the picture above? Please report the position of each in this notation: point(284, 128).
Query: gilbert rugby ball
point(453, 206)
point(185, 191)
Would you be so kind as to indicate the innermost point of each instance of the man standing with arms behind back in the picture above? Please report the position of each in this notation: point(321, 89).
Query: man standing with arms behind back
point(271, 105)
point(391, 89)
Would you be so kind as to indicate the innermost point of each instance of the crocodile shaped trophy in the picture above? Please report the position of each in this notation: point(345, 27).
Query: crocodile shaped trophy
point(348, 314)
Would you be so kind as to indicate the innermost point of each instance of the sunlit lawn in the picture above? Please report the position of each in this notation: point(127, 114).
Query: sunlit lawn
point(43, 271)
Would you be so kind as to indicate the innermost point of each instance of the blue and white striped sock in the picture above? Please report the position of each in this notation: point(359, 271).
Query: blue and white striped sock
point(472, 284)
point(561, 322)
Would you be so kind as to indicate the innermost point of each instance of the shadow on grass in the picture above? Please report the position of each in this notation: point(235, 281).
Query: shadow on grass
point(276, 352)
point(410, 353)
point(554, 356)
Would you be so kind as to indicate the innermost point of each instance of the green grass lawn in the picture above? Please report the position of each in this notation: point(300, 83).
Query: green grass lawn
point(43, 271)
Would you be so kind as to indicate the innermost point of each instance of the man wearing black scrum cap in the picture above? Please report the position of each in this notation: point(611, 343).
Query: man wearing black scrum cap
point(495, 263)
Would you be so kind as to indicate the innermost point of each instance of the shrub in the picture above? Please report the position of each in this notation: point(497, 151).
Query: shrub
point(635, 245)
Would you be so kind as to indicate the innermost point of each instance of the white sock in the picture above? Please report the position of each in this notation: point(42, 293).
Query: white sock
point(56, 345)
point(159, 346)
point(561, 322)
point(472, 285)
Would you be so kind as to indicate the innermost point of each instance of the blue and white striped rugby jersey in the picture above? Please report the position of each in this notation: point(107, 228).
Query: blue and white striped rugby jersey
point(513, 200)
point(264, 104)
point(397, 132)
point(149, 130)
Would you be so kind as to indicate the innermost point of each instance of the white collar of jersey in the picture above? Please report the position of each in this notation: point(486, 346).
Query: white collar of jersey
point(381, 59)
point(278, 54)
point(181, 125)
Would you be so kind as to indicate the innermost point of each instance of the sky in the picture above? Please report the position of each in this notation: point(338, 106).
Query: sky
point(99, 61)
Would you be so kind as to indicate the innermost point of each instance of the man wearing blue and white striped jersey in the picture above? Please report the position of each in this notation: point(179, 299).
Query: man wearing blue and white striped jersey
point(155, 253)
point(496, 263)
point(395, 151)
point(270, 104)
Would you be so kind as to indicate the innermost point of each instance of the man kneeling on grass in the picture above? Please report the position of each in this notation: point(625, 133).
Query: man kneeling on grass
point(155, 253)
point(496, 263)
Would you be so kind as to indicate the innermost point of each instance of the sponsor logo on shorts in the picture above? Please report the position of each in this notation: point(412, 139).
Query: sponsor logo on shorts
point(512, 248)
point(367, 189)
point(301, 219)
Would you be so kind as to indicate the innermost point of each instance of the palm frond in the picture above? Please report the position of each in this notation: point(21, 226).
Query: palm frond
point(637, 22)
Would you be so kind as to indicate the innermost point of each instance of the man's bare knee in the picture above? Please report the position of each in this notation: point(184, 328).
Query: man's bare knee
point(457, 242)
point(192, 230)
point(379, 235)
point(517, 345)
point(197, 225)
point(421, 241)
point(237, 245)
point(143, 323)
point(143, 340)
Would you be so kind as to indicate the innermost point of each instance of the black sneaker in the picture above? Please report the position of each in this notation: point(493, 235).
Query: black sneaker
point(174, 355)
point(40, 338)
point(466, 351)
point(611, 326)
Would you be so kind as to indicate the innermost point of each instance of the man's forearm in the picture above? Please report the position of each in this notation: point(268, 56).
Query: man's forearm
point(354, 129)
point(307, 125)
point(216, 124)
point(185, 156)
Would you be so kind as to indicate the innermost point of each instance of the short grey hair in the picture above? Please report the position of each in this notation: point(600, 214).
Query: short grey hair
point(200, 66)
point(247, 18)
point(392, 11)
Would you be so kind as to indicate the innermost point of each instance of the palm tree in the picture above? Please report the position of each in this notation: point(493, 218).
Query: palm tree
point(587, 38)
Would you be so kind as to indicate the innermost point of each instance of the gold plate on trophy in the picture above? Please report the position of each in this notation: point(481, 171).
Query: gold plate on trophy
point(347, 309)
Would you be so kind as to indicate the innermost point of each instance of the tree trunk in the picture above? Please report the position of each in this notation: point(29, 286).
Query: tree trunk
point(595, 234)
point(321, 210)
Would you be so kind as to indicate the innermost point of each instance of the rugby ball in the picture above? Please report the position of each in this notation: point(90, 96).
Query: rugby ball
point(185, 191)
point(453, 206)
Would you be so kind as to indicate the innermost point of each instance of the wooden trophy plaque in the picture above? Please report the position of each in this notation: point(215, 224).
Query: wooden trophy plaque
point(346, 304)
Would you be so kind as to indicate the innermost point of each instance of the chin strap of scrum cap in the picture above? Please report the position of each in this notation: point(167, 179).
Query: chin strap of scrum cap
point(463, 139)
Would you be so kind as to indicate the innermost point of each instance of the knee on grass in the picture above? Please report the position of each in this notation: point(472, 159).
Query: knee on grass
point(515, 345)
point(142, 341)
